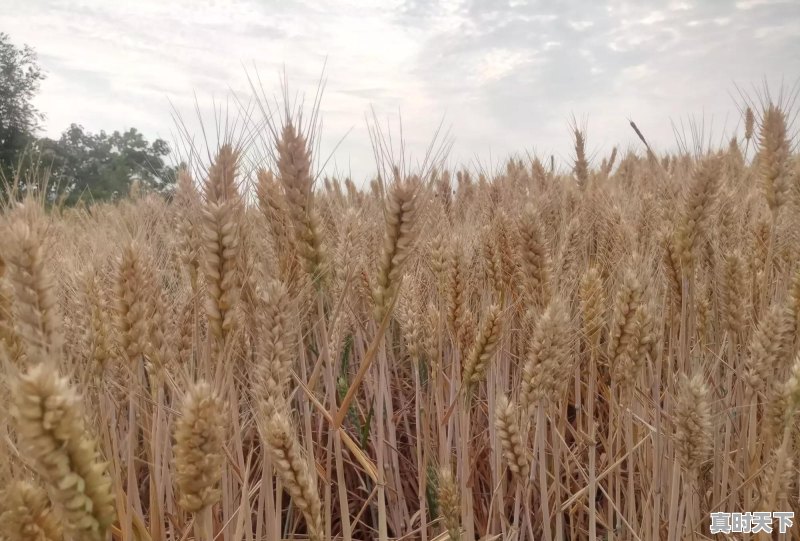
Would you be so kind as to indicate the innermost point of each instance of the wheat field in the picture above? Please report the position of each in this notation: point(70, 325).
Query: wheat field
point(608, 351)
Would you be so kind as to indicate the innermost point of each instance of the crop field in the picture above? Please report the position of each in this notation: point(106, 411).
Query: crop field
point(607, 349)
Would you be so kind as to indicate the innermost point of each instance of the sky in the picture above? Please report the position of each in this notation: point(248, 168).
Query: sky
point(501, 77)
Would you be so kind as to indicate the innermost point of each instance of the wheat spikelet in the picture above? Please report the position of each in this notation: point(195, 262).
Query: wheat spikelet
point(294, 169)
point(187, 200)
point(508, 432)
point(340, 330)
point(401, 211)
point(730, 219)
point(459, 315)
point(506, 247)
point(348, 244)
point(185, 330)
point(538, 172)
point(581, 167)
point(483, 349)
point(749, 124)
point(733, 305)
point(53, 433)
point(549, 363)
point(491, 257)
point(410, 318)
point(449, 503)
point(769, 348)
point(273, 206)
point(10, 341)
point(222, 256)
point(159, 349)
point(98, 331)
point(628, 300)
point(702, 307)
point(275, 342)
point(439, 255)
point(778, 412)
point(570, 251)
point(293, 470)
point(186, 193)
point(697, 212)
point(430, 334)
point(221, 185)
point(36, 306)
point(129, 306)
point(220, 267)
point(28, 515)
point(198, 448)
point(773, 156)
point(593, 309)
point(693, 443)
point(534, 258)
point(444, 191)
point(634, 345)
point(267, 195)
point(671, 264)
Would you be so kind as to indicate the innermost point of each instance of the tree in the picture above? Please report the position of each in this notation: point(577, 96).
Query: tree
point(81, 164)
point(102, 166)
point(20, 76)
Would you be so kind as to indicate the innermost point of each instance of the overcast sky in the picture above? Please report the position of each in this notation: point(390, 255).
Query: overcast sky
point(505, 76)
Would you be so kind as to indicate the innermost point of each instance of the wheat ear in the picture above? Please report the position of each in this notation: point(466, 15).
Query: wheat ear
point(693, 424)
point(534, 258)
point(98, 331)
point(401, 211)
point(199, 455)
point(28, 514)
point(508, 432)
point(36, 304)
point(10, 340)
point(733, 305)
point(769, 348)
point(220, 266)
point(581, 167)
point(294, 169)
point(449, 503)
point(130, 306)
point(483, 349)
point(593, 306)
point(53, 433)
point(273, 372)
point(773, 155)
point(293, 470)
point(545, 373)
point(697, 212)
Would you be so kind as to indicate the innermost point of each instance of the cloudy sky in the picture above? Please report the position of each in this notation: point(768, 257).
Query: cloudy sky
point(504, 76)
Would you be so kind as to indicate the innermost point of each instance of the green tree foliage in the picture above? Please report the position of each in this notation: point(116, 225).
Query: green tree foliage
point(103, 166)
point(20, 76)
point(81, 165)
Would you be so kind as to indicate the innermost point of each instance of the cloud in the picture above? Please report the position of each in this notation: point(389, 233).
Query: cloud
point(506, 76)
point(580, 25)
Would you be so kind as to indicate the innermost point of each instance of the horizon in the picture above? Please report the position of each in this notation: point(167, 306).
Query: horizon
point(503, 80)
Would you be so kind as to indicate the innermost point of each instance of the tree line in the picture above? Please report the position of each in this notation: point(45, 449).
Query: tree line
point(79, 165)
